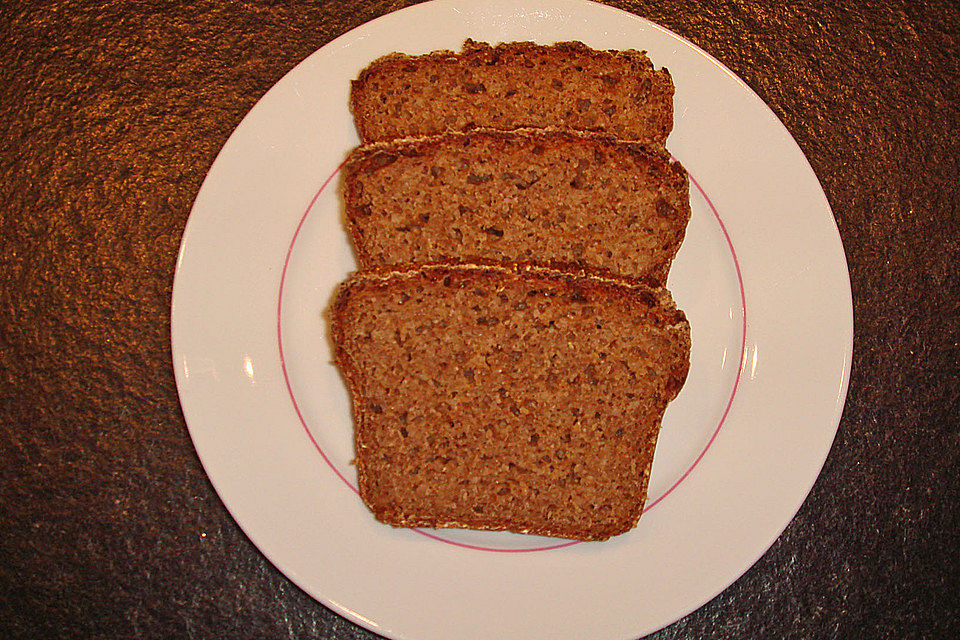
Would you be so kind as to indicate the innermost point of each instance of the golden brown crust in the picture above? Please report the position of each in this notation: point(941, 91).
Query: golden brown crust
point(529, 85)
point(573, 289)
point(571, 198)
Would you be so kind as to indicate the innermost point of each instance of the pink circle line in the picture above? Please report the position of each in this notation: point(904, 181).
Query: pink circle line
point(339, 474)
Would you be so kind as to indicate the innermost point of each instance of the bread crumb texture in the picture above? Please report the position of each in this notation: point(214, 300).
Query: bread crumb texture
point(507, 398)
point(589, 201)
point(514, 85)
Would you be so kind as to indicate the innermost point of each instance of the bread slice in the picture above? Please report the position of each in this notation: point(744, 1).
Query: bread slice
point(507, 398)
point(611, 207)
point(513, 85)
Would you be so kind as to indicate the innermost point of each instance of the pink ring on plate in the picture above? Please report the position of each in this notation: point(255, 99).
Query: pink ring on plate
point(432, 536)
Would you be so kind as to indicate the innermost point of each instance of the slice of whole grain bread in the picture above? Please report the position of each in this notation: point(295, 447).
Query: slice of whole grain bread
point(559, 197)
point(513, 85)
point(512, 398)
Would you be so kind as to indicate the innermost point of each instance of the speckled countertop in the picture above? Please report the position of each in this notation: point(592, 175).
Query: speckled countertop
point(111, 114)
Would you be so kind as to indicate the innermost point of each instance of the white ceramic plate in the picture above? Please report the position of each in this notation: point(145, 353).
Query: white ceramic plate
point(761, 275)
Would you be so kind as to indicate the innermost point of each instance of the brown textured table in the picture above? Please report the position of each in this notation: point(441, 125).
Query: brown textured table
point(111, 114)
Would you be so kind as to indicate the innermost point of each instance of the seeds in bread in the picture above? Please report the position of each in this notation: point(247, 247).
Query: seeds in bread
point(514, 85)
point(507, 398)
point(560, 197)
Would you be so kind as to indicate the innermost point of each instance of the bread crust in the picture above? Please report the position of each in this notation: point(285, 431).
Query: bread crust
point(673, 322)
point(531, 85)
